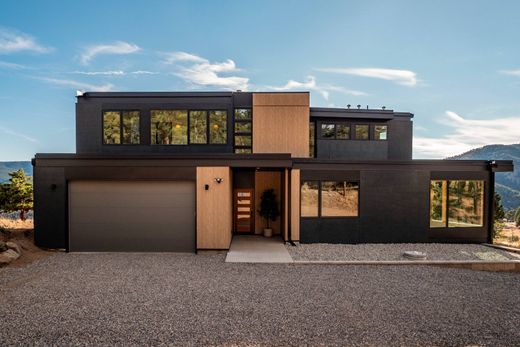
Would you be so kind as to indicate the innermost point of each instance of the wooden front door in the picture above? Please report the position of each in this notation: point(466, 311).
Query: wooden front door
point(244, 203)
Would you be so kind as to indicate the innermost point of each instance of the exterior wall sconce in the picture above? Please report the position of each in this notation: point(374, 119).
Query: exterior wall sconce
point(219, 180)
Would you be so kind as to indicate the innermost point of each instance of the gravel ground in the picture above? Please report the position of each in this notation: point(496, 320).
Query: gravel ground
point(186, 300)
point(394, 251)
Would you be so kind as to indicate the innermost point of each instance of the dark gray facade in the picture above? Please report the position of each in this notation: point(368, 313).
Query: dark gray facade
point(394, 190)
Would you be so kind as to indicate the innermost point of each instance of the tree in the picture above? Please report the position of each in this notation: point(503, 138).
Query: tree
point(17, 194)
point(517, 217)
point(268, 206)
point(499, 215)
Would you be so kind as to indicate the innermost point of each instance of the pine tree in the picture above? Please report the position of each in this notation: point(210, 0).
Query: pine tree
point(17, 194)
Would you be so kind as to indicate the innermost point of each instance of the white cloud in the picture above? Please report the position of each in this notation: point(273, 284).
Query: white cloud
point(113, 73)
point(403, 77)
point(11, 132)
point(8, 65)
point(466, 134)
point(80, 85)
point(103, 73)
point(201, 72)
point(310, 84)
point(119, 47)
point(13, 41)
point(511, 72)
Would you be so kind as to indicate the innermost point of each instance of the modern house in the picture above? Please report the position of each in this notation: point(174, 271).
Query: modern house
point(185, 172)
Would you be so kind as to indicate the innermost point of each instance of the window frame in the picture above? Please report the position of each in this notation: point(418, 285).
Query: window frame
point(121, 137)
point(242, 133)
point(446, 223)
point(355, 133)
point(319, 181)
point(374, 132)
point(189, 128)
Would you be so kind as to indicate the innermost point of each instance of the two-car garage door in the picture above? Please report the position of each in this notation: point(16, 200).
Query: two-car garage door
point(132, 216)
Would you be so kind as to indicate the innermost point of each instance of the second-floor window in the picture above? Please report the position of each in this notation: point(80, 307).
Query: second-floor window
point(243, 120)
point(169, 127)
point(121, 127)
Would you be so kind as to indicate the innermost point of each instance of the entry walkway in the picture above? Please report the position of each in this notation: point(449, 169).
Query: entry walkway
point(257, 249)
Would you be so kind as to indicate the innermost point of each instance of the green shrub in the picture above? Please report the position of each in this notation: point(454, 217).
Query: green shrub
point(516, 218)
point(3, 247)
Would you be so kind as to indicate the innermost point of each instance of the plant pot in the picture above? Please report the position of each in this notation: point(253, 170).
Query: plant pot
point(268, 232)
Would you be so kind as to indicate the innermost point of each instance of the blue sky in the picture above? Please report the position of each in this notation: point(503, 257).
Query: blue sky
point(454, 64)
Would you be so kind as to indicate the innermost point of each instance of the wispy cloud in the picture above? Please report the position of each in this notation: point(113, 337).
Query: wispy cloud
point(114, 73)
point(79, 85)
point(12, 41)
point(200, 71)
point(8, 65)
point(119, 47)
point(511, 72)
point(465, 134)
point(310, 84)
point(11, 132)
point(403, 77)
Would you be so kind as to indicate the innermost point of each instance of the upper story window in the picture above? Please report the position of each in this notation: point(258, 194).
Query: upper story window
point(342, 131)
point(243, 130)
point(380, 132)
point(169, 127)
point(198, 127)
point(361, 132)
point(217, 127)
point(121, 127)
point(328, 130)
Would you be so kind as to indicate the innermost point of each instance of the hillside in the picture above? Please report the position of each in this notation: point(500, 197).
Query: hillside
point(10, 166)
point(507, 183)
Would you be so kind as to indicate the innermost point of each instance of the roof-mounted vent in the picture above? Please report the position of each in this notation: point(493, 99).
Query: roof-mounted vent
point(383, 108)
point(239, 90)
point(348, 106)
point(358, 107)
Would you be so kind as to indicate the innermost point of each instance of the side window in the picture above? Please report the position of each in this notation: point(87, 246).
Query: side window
point(312, 139)
point(361, 131)
point(217, 127)
point(456, 203)
point(243, 130)
point(342, 131)
point(380, 132)
point(328, 130)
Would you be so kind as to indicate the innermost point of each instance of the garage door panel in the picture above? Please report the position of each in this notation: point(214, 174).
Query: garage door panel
point(132, 216)
point(108, 199)
point(124, 215)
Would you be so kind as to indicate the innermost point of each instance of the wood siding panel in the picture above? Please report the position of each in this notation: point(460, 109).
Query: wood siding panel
point(214, 208)
point(267, 180)
point(281, 123)
point(295, 205)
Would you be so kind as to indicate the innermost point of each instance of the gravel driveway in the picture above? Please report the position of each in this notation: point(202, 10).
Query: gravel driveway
point(151, 299)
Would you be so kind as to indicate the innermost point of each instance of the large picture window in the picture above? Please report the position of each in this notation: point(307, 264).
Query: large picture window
point(309, 199)
point(218, 127)
point(339, 199)
point(169, 127)
point(121, 127)
point(329, 199)
point(456, 203)
point(380, 132)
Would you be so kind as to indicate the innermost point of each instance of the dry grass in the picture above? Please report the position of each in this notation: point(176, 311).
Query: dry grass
point(14, 224)
point(509, 236)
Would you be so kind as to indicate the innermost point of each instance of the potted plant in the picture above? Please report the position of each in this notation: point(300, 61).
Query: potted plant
point(268, 210)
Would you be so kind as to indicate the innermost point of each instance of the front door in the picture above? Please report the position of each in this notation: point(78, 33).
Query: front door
point(244, 210)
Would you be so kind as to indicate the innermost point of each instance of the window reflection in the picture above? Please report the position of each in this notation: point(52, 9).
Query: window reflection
point(169, 127)
point(309, 199)
point(466, 203)
point(438, 194)
point(339, 199)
